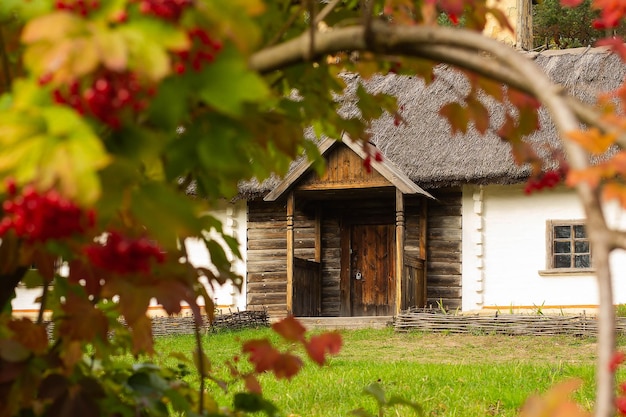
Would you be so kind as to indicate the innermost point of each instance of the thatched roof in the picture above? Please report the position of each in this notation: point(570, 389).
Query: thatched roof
point(432, 157)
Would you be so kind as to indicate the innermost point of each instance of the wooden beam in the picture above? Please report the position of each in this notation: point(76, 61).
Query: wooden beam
point(291, 202)
point(318, 234)
point(423, 225)
point(345, 302)
point(399, 248)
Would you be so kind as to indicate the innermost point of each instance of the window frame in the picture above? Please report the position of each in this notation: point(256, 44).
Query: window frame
point(550, 268)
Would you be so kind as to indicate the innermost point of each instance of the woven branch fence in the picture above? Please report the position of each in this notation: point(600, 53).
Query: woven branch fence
point(184, 324)
point(506, 324)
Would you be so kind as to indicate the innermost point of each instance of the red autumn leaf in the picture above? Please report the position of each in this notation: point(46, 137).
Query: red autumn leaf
point(556, 402)
point(616, 360)
point(287, 366)
point(490, 87)
point(252, 384)
point(261, 354)
point(571, 3)
point(82, 321)
point(616, 44)
point(318, 346)
point(457, 116)
point(133, 300)
point(522, 100)
point(79, 270)
point(479, 114)
point(454, 8)
point(31, 335)
point(615, 191)
point(528, 121)
point(290, 329)
point(142, 336)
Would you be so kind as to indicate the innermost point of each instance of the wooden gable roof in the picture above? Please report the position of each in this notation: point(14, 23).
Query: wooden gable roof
point(345, 170)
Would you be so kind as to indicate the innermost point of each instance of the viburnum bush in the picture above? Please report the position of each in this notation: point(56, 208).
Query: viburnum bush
point(113, 111)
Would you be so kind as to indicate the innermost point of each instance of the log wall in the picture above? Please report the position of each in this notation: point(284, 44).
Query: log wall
point(444, 249)
point(267, 253)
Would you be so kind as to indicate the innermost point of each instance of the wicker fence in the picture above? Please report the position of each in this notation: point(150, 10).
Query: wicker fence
point(507, 324)
point(184, 324)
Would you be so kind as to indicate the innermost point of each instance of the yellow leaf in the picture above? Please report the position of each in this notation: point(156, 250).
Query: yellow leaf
point(593, 140)
point(556, 402)
point(52, 27)
point(112, 49)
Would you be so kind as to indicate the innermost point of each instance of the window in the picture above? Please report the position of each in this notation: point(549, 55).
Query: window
point(569, 246)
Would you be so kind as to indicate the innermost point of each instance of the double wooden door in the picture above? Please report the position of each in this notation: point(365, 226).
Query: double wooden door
point(368, 266)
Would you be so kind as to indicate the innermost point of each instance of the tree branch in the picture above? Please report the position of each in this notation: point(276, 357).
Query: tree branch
point(513, 68)
point(4, 57)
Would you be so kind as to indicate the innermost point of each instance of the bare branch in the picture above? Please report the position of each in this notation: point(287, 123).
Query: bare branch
point(326, 11)
point(498, 62)
point(286, 26)
point(6, 66)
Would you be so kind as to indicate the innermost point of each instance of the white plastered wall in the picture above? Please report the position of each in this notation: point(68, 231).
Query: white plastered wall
point(504, 250)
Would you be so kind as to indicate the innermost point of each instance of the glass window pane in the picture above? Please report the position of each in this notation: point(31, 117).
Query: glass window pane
point(579, 231)
point(561, 232)
point(562, 261)
point(582, 261)
point(581, 246)
point(562, 247)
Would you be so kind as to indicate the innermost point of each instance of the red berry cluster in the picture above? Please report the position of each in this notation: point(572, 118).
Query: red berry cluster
point(124, 255)
point(164, 9)
point(203, 50)
point(620, 400)
point(108, 96)
point(38, 217)
point(81, 7)
point(547, 180)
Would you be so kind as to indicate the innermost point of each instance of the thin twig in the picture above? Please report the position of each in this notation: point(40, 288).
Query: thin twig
point(326, 11)
point(42, 303)
point(312, 27)
point(201, 369)
point(286, 26)
point(4, 56)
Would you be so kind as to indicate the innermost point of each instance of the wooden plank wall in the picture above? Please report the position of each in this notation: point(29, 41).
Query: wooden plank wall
point(444, 248)
point(267, 253)
point(379, 209)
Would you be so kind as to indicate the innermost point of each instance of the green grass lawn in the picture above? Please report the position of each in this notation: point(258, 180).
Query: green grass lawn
point(449, 375)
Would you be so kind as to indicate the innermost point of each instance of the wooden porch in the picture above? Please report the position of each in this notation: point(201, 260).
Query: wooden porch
point(307, 292)
point(346, 323)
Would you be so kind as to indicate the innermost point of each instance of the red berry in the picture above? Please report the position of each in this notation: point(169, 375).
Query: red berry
point(11, 186)
point(39, 216)
point(620, 404)
point(124, 255)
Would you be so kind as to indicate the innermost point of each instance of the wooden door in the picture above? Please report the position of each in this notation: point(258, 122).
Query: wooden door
point(372, 272)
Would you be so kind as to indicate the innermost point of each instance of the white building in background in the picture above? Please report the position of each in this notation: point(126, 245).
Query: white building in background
point(226, 297)
point(509, 249)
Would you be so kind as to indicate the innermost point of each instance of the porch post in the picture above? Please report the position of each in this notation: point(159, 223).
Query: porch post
point(423, 225)
point(399, 248)
point(290, 251)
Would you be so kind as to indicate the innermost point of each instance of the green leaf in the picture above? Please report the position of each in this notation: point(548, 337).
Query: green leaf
point(227, 84)
point(13, 351)
point(253, 403)
point(148, 42)
point(165, 213)
point(375, 390)
point(395, 400)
